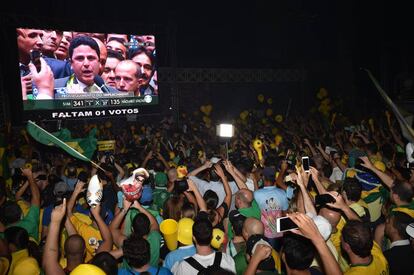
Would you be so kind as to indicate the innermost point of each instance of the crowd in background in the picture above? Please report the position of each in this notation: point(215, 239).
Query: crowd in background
point(224, 196)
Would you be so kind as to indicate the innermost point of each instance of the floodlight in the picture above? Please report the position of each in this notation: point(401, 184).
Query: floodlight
point(225, 130)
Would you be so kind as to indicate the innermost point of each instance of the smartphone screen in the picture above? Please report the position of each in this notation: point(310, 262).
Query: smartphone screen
point(285, 224)
point(323, 199)
point(305, 164)
point(35, 58)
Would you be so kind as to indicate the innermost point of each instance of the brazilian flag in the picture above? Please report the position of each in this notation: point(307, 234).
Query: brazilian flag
point(81, 148)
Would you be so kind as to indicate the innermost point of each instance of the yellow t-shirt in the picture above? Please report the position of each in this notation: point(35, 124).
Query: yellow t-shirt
point(378, 264)
point(91, 235)
point(22, 263)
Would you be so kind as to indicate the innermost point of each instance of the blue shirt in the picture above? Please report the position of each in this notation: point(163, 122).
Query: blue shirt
point(178, 255)
point(152, 270)
point(272, 201)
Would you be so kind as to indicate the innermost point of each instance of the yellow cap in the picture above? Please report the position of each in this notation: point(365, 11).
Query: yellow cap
point(218, 238)
point(185, 231)
point(89, 269)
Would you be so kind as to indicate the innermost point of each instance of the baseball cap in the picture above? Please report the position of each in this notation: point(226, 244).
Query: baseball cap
point(235, 215)
point(251, 245)
point(269, 172)
point(160, 179)
point(410, 230)
point(60, 188)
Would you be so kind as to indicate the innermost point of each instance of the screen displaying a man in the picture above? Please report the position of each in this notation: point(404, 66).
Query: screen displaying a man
point(84, 56)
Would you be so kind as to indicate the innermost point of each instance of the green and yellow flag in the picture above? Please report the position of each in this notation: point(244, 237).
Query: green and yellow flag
point(81, 148)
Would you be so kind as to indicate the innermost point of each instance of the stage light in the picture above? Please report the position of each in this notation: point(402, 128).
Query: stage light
point(225, 130)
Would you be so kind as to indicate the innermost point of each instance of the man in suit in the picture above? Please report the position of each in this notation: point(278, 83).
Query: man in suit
point(400, 250)
point(145, 60)
point(84, 56)
point(32, 39)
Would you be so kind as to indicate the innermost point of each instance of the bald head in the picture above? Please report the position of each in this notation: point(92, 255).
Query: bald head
point(331, 215)
point(75, 247)
point(252, 226)
point(244, 198)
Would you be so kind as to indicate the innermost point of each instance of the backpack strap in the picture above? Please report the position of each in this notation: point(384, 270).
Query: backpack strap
point(217, 259)
point(158, 270)
point(191, 261)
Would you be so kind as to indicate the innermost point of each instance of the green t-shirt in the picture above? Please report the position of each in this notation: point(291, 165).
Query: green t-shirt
point(240, 262)
point(154, 239)
point(30, 222)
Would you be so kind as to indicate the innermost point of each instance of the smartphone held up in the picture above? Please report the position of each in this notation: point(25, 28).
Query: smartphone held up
point(35, 59)
point(284, 224)
point(305, 164)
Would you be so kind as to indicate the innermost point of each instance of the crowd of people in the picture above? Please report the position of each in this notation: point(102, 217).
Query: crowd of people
point(207, 205)
point(62, 64)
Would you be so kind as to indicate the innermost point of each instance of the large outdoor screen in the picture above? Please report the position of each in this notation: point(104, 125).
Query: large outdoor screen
point(77, 74)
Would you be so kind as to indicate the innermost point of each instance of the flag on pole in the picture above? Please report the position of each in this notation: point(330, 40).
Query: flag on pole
point(404, 121)
point(80, 148)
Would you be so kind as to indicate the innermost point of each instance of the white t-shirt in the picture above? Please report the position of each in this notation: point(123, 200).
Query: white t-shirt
point(216, 186)
point(336, 174)
point(184, 268)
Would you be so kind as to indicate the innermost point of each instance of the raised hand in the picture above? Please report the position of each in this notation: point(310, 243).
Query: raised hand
point(307, 226)
point(339, 200)
point(367, 163)
point(59, 212)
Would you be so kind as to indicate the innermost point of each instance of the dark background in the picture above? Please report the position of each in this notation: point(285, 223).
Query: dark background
point(328, 40)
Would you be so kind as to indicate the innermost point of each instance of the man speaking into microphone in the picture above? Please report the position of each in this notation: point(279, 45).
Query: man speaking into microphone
point(84, 59)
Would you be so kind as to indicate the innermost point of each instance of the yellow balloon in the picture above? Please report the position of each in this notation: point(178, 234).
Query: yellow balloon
point(279, 118)
point(264, 121)
point(269, 112)
point(322, 93)
point(258, 146)
point(269, 101)
point(278, 140)
point(274, 131)
point(260, 98)
point(243, 115)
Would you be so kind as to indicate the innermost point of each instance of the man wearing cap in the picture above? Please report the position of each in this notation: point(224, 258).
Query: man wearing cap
point(238, 243)
point(273, 203)
point(185, 244)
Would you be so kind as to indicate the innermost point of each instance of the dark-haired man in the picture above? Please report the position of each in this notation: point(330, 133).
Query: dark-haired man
point(84, 56)
point(400, 249)
point(364, 254)
point(137, 254)
point(205, 256)
point(112, 61)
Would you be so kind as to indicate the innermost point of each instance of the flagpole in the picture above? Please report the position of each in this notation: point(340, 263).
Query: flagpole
point(97, 166)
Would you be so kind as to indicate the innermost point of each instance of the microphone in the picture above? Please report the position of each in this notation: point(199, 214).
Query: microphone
point(101, 84)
